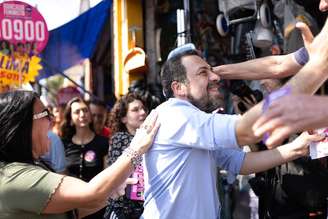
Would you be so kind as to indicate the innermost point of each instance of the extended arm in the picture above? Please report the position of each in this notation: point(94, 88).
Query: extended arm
point(307, 80)
point(267, 67)
point(270, 66)
point(263, 160)
point(73, 193)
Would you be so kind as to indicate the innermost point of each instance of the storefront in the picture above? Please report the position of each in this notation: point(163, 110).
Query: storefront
point(138, 35)
point(251, 28)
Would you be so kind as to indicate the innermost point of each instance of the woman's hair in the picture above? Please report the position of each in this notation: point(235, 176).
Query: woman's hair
point(67, 127)
point(120, 110)
point(16, 119)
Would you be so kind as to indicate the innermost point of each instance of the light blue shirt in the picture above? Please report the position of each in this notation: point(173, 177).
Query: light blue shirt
point(181, 166)
point(56, 155)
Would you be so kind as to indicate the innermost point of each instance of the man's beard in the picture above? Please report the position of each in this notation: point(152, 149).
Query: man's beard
point(207, 103)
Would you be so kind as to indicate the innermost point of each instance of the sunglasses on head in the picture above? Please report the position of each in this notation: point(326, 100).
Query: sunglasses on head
point(44, 114)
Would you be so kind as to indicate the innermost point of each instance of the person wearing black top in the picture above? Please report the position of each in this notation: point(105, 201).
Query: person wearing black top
point(86, 160)
point(84, 150)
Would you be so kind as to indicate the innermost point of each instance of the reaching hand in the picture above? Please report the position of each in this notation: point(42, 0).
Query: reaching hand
point(144, 136)
point(302, 142)
point(290, 114)
point(235, 100)
point(248, 102)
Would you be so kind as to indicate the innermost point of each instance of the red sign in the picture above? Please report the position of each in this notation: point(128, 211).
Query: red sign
point(20, 23)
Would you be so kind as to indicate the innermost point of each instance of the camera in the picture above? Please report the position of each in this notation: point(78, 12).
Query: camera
point(243, 91)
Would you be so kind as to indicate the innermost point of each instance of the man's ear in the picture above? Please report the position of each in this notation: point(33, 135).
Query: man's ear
point(179, 89)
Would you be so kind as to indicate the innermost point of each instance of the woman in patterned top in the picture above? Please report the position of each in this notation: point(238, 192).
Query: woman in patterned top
point(125, 118)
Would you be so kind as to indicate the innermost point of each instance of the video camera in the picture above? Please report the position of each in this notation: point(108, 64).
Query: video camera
point(243, 91)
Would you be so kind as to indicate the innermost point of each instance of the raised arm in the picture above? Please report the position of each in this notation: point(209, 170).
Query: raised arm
point(73, 193)
point(307, 80)
point(279, 66)
point(271, 66)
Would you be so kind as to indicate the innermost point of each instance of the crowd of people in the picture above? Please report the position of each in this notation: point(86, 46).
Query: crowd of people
point(19, 50)
point(80, 160)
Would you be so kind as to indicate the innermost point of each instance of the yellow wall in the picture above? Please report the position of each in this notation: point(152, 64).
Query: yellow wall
point(126, 15)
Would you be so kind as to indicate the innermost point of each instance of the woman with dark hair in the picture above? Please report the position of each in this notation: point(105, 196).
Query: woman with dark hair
point(126, 116)
point(15, 122)
point(58, 112)
point(118, 120)
point(85, 150)
point(28, 189)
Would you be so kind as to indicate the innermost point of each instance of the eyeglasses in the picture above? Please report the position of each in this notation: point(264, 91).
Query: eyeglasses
point(43, 114)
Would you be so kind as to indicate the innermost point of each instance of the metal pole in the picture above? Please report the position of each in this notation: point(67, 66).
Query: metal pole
point(181, 30)
point(187, 29)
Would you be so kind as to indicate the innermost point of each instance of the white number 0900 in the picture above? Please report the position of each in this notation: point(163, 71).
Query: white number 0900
point(22, 30)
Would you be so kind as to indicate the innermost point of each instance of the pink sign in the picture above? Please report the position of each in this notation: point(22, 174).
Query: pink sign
point(21, 25)
point(137, 190)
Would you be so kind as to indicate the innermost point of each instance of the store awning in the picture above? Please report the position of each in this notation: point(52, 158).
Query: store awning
point(77, 40)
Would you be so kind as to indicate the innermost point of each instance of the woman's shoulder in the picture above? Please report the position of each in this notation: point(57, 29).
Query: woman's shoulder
point(25, 173)
point(17, 168)
point(23, 183)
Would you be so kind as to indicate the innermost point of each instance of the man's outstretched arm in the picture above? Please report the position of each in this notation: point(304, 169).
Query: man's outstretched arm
point(307, 81)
